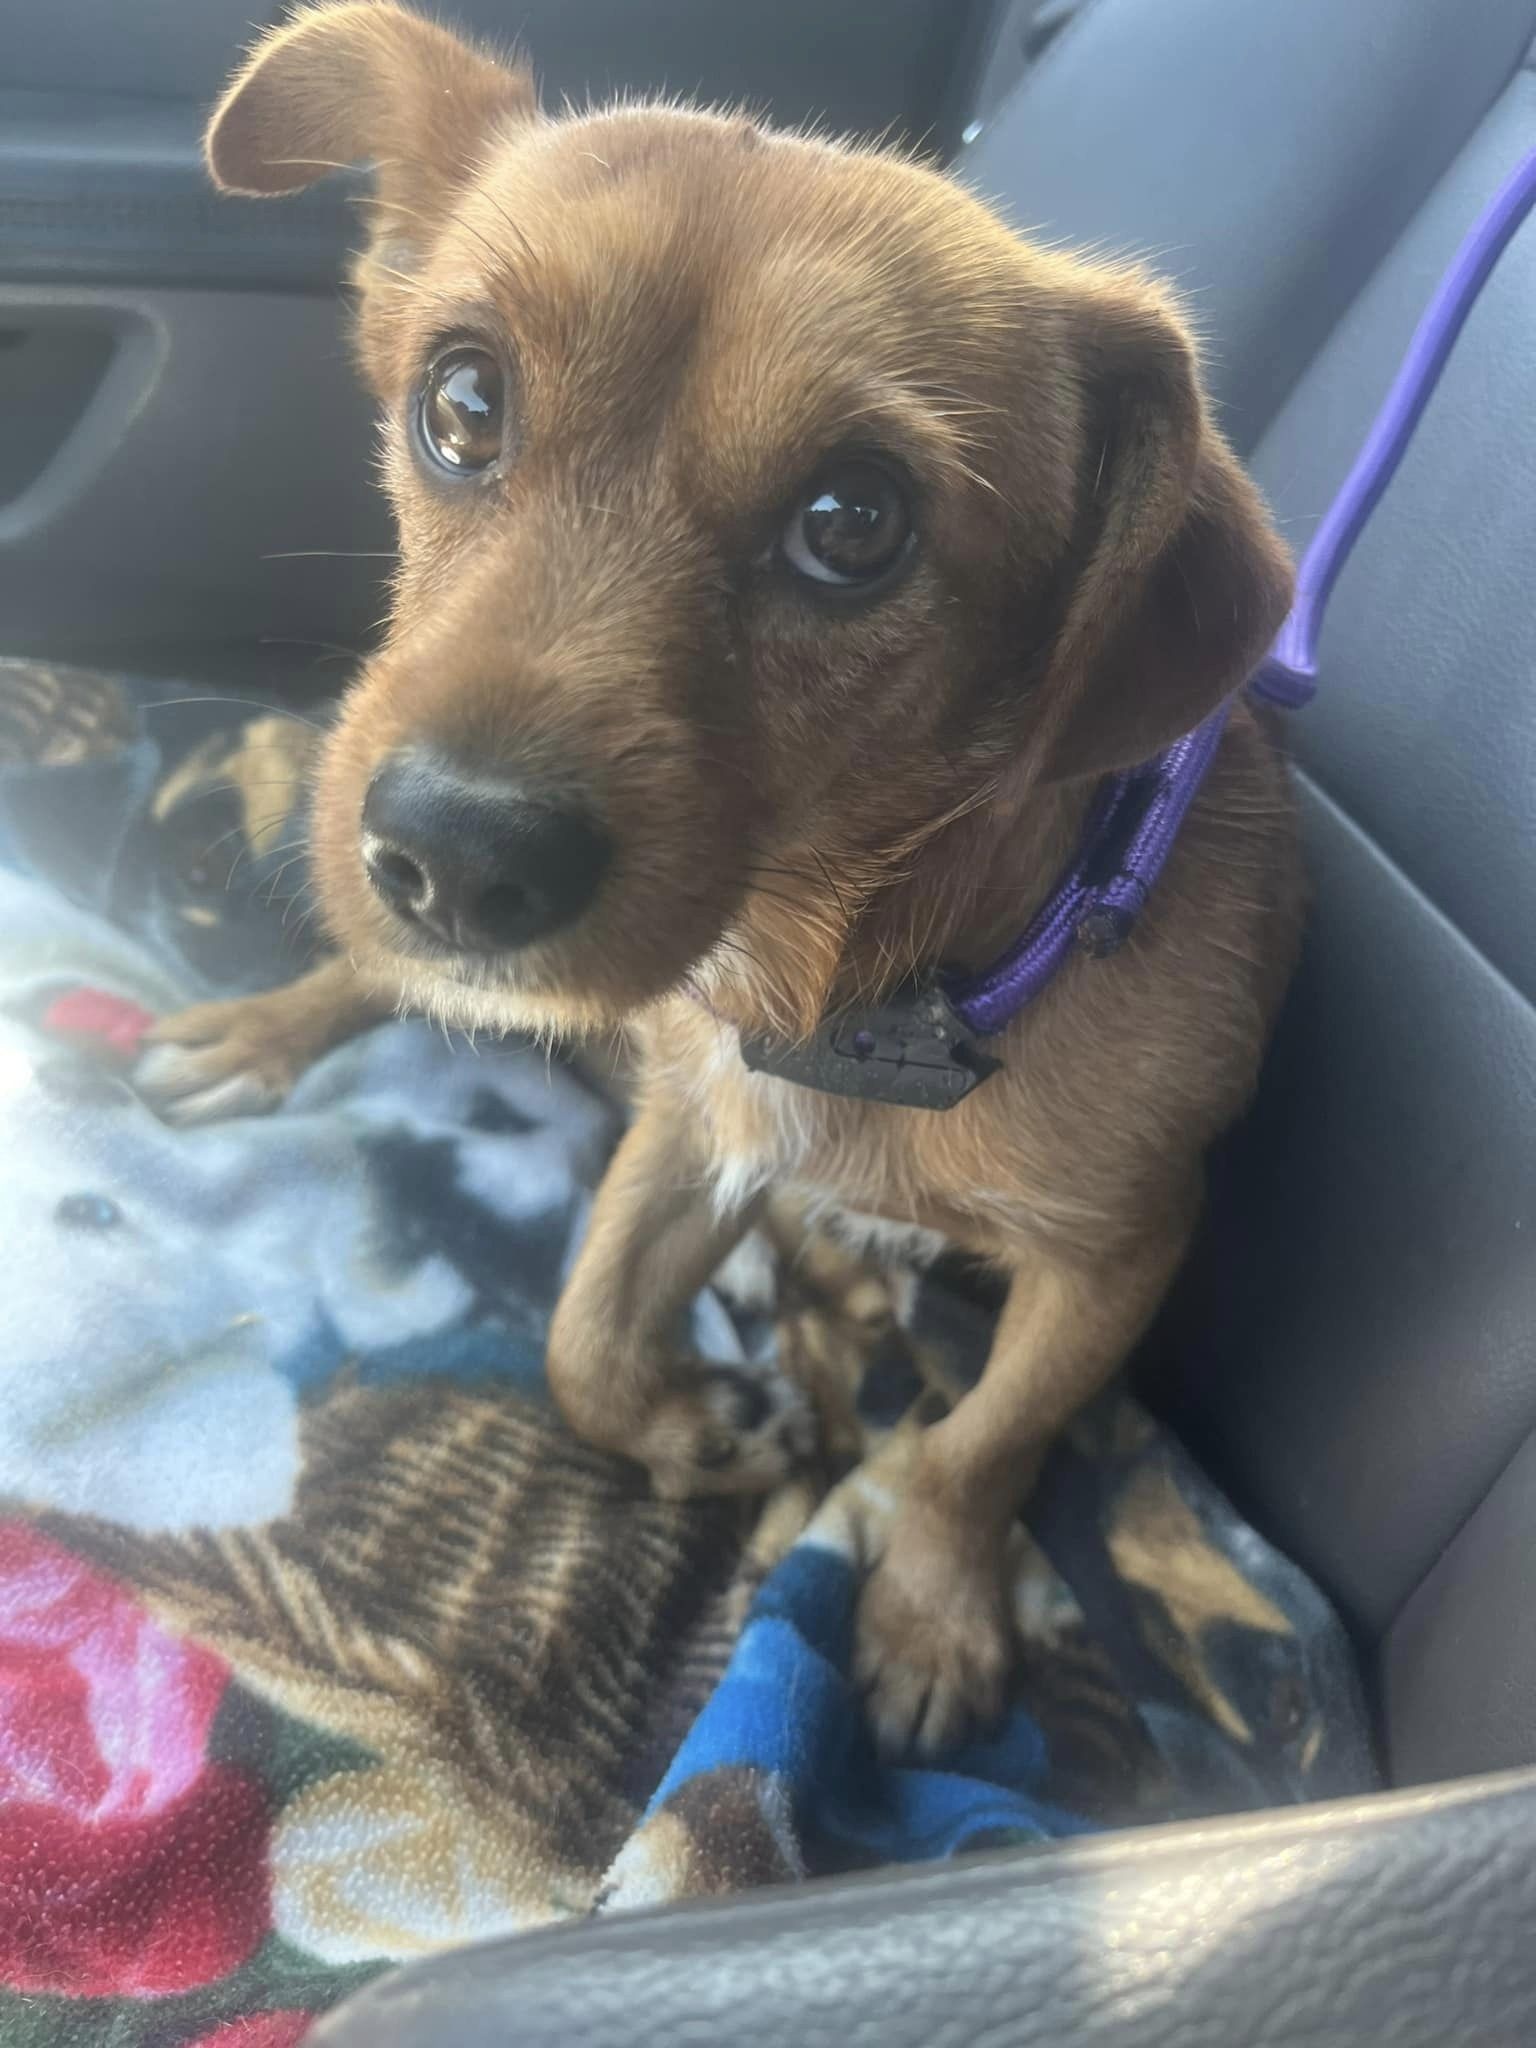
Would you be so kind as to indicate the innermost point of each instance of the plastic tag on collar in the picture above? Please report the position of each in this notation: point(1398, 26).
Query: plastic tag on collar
point(912, 1052)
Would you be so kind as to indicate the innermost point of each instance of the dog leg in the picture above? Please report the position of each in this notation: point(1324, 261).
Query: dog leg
point(935, 1632)
point(656, 1236)
point(240, 1058)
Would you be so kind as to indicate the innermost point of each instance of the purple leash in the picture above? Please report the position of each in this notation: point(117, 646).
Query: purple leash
point(1096, 914)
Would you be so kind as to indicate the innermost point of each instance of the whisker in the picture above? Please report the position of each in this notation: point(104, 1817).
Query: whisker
point(292, 845)
point(223, 838)
point(328, 163)
point(292, 861)
point(257, 703)
point(429, 293)
point(333, 648)
point(332, 555)
point(510, 225)
point(233, 788)
point(411, 213)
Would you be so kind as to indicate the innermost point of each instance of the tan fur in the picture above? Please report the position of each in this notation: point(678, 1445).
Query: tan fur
point(810, 800)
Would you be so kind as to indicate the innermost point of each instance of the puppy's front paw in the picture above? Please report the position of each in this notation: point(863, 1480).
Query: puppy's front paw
point(933, 1650)
point(221, 1059)
point(717, 1430)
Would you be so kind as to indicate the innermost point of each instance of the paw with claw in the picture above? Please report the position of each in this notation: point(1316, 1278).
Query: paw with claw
point(935, 1642)
point(218, 1060)
point(717, 1430)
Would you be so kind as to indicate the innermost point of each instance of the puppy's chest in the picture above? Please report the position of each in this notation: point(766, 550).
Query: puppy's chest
point(989, 1174)
point(859, 1171)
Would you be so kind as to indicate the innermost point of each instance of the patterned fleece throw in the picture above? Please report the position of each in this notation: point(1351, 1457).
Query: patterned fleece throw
point(323, 1646)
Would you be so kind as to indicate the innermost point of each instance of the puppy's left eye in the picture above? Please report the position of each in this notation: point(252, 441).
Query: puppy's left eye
point(463, 399)
point(853, 525)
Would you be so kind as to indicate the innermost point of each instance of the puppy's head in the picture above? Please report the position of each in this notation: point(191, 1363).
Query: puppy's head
point(763, 505)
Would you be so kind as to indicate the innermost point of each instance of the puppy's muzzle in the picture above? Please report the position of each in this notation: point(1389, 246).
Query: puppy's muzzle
point(475, 862)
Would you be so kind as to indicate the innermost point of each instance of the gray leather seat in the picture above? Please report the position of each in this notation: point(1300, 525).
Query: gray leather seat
point(1264, 153)
point(1354, 1349)
point(1360, 1356)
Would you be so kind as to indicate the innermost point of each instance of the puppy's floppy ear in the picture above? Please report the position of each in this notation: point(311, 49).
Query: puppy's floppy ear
point(1180, 580)
point(363, 80)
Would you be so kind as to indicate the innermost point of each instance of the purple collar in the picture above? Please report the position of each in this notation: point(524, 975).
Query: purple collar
point(919, 1048)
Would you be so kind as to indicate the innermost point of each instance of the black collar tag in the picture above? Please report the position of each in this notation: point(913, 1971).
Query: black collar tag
point(912, 1052)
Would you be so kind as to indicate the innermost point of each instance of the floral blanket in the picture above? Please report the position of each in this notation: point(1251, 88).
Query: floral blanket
point(322, 1645)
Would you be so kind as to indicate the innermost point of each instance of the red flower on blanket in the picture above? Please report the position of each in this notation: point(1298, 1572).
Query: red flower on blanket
point(111, 1023)
point(129, 1862)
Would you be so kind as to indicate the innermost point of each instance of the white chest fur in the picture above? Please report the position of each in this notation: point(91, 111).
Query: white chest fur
point(765, 1135)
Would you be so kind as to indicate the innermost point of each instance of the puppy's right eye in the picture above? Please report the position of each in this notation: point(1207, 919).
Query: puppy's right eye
point(460, 414)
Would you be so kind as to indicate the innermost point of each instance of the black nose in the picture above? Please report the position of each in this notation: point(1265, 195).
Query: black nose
point(480, 863)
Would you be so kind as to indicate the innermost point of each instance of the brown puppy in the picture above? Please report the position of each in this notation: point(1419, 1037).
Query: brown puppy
point(786, 548)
